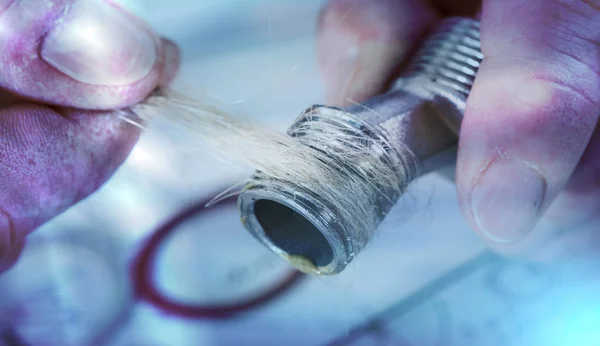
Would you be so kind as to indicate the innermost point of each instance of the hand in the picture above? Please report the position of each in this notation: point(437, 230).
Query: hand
point(64, 65)
point(529, 148)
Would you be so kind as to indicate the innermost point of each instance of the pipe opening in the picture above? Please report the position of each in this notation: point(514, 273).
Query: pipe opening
point(292, 233)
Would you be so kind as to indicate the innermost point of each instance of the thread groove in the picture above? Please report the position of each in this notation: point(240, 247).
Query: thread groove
point(451, 56)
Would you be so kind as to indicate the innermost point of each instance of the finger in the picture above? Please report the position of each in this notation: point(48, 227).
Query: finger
point(50, 159)
point(531, 113)
point(171, 58)
point(78, 53)
point(361, 42)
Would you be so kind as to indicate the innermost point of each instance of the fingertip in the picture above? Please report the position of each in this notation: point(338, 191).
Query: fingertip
point(500, 187)
point(506, 200)
point(97, 43)
point(361, 43)
point(81, 54)
point(521, 138)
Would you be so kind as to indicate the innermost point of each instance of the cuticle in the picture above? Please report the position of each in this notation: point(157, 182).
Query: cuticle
point(485, 168)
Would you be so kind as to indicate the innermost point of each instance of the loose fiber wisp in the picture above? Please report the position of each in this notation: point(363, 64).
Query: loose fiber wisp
point(321, 190)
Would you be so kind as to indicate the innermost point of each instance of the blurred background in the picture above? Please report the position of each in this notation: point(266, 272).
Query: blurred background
point(142, 262)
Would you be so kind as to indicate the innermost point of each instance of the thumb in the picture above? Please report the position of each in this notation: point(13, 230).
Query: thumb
point(77, 53)
point(530, 115)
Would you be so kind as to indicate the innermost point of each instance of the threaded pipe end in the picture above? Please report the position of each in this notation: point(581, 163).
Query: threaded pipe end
point(451, 56)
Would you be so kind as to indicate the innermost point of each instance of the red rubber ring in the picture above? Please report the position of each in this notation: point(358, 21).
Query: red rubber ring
point(143, 275)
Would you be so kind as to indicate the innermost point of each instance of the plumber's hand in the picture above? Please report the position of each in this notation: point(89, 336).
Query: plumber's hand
point(529, 147)
point(64, 64)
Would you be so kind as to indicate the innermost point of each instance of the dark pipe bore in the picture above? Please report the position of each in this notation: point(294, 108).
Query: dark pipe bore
point(293, 233)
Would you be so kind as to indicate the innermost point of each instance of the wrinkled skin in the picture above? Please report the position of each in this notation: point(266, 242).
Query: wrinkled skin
point(59, 140)
point(529, 150)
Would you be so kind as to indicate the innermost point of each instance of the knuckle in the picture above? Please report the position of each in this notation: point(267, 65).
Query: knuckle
point(580, 8)
point(535, 86)
point(578, 22)
point(574, 46)
point(579, 74)
point(547, 90)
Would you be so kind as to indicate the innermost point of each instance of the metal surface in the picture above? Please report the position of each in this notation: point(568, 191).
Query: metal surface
point(421, 113)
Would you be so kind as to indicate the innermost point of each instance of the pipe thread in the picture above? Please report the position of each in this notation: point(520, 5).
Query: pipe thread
point(451, 55)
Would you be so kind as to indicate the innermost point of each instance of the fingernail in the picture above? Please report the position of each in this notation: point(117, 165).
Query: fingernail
point(97, 44)
point(507, 200)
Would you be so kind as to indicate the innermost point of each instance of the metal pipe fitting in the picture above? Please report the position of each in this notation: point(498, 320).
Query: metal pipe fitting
point(420, 114)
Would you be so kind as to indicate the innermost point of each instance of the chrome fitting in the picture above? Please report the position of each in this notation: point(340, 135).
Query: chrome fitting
point(420, 115)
